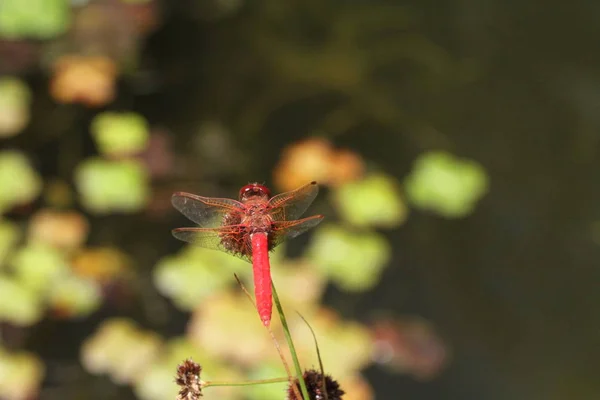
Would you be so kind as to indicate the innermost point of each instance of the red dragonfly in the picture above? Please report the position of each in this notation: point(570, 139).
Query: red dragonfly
point(248, 228)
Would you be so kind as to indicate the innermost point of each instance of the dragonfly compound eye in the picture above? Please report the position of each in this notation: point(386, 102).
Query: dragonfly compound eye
point(254, 189)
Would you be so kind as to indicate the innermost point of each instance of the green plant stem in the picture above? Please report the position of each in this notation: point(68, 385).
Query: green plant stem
point(323, 380)
point(288, 338)
point(245, 383)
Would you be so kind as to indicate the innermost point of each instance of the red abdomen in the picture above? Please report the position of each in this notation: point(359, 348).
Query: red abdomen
point(262, 276)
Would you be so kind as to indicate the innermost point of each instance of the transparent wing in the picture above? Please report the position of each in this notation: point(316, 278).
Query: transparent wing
point(291, 205)
point(207, 212)
point(227, 239)
point(283, 230)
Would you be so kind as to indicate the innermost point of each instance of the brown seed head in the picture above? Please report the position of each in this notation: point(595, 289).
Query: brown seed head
point(188, 377)
point(316, 391)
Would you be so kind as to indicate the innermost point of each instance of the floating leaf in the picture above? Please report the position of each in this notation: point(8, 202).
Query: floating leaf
point(73, 296)
point(18, 304)
point(39, 267)
point(120, 349)
point(107, 186)
point(21, 375)
point(14, 106)
point(373, 201)
point(100, 264)
point(316, 159)
point(88, 80)
point(445, 184)
point(40, 19)
point(354, 261)
point(303, 162)
point(19, 183)
point(61, 229)
point(120, 133)
point(346, 166)
point(188, 282)
point(195, 273)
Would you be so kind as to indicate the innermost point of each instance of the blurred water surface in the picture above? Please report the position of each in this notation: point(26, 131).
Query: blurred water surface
point(456, 142)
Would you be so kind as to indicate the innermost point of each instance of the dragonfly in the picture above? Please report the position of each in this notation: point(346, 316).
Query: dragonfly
point(248, 228)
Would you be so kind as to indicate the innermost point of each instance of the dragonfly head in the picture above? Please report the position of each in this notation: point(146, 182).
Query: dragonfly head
point(253, 190)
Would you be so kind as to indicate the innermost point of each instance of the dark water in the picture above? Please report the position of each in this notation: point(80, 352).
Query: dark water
point(514, 287)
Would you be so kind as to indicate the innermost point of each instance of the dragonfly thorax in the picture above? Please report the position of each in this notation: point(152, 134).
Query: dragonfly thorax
point(257, 219)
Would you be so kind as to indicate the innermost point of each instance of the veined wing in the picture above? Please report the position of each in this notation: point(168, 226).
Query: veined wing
point(283, 230)
point(207, 212)
point(291, 205)
point(227, 238)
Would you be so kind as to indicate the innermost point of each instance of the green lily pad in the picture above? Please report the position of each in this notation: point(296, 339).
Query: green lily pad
point(19, 182)
point(373, 201)
point(120, 133)
point(19, 304)
point(21, 373)
point(352, 260)
point(39, 267)
point(40, 19)
point(121, 350)
point(445, 184)
point(112, 186)
point(14, 106)
point(188, 281)
point(75, 296)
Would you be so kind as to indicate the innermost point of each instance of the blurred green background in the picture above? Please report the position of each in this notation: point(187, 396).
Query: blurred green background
point(456, 143)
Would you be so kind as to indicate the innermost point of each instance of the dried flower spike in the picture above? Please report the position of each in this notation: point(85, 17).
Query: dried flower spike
point(316, 391)
point(188, 377)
